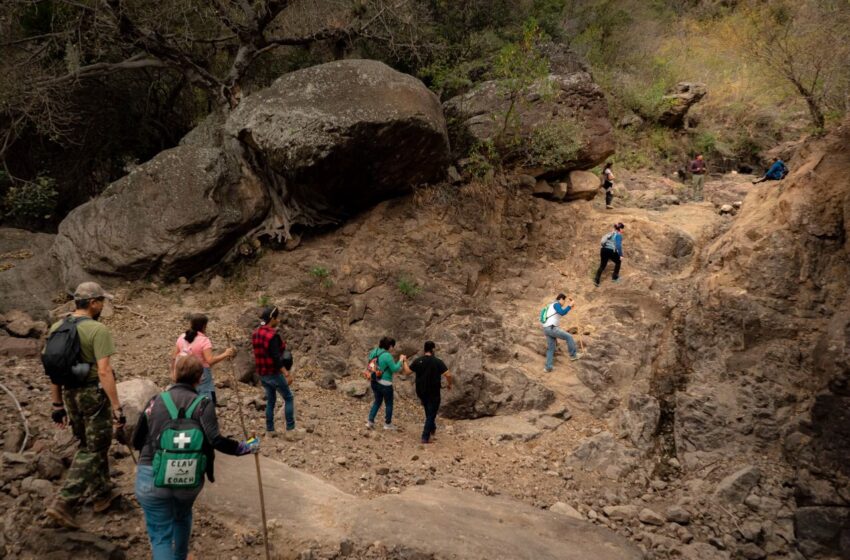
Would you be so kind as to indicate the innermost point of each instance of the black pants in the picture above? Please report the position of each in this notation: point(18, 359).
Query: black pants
point(606, 255)
point(609, 196)
point(431, 404)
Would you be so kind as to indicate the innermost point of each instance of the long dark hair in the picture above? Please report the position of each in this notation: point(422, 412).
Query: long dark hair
point(197, 323)
point(386, 343)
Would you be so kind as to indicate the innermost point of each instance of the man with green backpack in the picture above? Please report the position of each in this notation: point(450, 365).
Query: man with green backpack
point(176, 435)
point(550, 318)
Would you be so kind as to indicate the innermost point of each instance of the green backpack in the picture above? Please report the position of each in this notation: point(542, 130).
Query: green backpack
point(543, 316)
point(180, 461)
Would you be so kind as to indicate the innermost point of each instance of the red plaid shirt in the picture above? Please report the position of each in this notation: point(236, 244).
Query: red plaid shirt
point(262, 360)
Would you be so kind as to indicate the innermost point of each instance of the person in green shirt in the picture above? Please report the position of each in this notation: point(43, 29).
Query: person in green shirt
point(382, 386)
point(91, 408)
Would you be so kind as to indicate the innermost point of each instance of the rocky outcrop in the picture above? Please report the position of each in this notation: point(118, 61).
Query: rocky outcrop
point(561, 101)
point(677, 104)
point(175, 215)
point(330, 520)
point(484, 393)
point(28, 274)
point(335, 138)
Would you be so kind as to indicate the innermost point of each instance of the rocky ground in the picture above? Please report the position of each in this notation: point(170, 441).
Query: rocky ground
point(685, 428)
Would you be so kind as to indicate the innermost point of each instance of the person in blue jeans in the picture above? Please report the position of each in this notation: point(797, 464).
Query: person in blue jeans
point(273, 368)
point(553, 332)
point(382, 383)
point(168, 511)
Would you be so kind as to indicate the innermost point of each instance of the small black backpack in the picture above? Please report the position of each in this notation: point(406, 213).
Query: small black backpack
point(61, 357)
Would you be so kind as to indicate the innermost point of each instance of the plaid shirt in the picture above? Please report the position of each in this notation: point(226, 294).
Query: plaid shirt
point(262, 359)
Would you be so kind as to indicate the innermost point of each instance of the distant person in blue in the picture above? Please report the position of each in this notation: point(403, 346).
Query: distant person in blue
point(612, 250)
point(553, 332)
point(776, 172)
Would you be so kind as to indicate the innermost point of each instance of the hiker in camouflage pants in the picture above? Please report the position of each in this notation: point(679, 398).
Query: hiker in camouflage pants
point(90, 417)
point(90, 404)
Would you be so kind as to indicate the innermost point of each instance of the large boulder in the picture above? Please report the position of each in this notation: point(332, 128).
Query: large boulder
point(337, 137)
point(134, 395)
point(676, 105)
point(558, 102)
point(583, 185)
point(175, 215)
point(479, 393)
point(29, 277)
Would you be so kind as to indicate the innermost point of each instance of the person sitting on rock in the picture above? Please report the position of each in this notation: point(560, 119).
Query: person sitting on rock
point(608, 184)
point(553, 332)
point(194, 341)
point(382, 383)
point(612, 250)
point(429, 370)
point(776, 172)
point(273, 371)
point(165, 492)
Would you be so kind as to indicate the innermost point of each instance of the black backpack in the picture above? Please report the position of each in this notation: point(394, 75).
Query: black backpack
point(61, 357)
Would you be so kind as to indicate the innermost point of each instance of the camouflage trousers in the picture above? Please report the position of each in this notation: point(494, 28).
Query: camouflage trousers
point(91, 421)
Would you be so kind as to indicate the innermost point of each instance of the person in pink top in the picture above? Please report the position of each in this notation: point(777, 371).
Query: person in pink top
point(194, 342)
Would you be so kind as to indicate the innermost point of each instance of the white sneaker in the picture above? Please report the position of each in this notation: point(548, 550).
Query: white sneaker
point(370, 425)
point(389, 427)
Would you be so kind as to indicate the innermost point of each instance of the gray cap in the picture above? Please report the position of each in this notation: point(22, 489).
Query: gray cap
point(90, 290)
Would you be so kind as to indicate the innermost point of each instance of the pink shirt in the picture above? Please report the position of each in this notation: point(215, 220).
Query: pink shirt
point(197, 346)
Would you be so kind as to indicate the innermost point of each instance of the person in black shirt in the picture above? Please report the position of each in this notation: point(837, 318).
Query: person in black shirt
point(429, 371)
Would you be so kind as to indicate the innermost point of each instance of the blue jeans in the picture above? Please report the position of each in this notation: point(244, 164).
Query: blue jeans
point(383, 394)
point(274, 384)
point(206, 387)
point(552, 335)
point(168, 515)
point(431, 404)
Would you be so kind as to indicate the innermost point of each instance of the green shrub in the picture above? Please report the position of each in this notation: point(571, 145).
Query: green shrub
point(264, 300)
point(554, 144)
point(705, 143)
point(408, 287)
point(32, 201)
point(319, 272)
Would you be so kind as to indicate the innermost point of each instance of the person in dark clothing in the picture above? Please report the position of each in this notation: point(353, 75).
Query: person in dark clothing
point(698, 171)
point(274, 371)
point(429, 371)
point(776, 172)
point(612, 250)
point(168, 511)
point(608, 184)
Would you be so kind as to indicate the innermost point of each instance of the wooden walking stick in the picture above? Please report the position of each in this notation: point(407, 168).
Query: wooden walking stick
point(256, 455)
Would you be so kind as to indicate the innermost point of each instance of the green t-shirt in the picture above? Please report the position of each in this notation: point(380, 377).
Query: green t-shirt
point(386, 364)
point(95, 343)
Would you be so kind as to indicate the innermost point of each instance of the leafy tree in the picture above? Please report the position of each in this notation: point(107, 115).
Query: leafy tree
point(807, 43)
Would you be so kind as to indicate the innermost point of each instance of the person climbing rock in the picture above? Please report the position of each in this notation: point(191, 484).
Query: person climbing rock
point(172, 464)
point(382, 380)
point(86, 398)
point(195, 341)
point(274, 371)
point(776, 172)
point(611, 250)
point(608, 184)
point(430, 370)
point(698, 170)
point(551, 320)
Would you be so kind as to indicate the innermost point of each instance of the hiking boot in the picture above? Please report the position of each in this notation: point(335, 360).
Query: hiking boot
point(596, 283)
point(370, 424)
point(576, 357)
point(271, 434)
point(547, 370)
point(102, 503)
point(390, 427)
point(426, 441)
point(293, 435)
point(62, 512)
point(615, 280)
point(608, 207)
